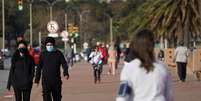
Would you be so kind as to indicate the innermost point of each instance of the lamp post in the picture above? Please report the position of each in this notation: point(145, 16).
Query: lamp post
point(81, 15)
point(111, 25)
point(51, 4)
point(109, 15)
point(31, 27)
point(3, 26)
point(66, 25)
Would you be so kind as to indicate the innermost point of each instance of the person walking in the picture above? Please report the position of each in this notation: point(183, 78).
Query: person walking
point(21, 72)
point(50, 61)
point(112, 59)
point(118, 50)
point(180, 57)
point(143, 78)
point(95, 58)
point(69, 55)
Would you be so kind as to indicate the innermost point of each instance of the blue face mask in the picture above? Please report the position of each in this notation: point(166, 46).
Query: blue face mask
point(50, 48)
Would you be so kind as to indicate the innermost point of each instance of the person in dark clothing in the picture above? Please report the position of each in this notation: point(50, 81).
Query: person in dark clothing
point(126, 52)
point(161, 55)
point(96, 61)
point(50, 62)
point(21, 72)
point(118, 49)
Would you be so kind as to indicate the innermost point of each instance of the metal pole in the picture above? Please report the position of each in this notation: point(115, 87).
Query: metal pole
point(39, 39)
point(66, 25)
point(81, 27)
point(50, 12)
point(31, 30)
point(3, 26)
point(111, 31)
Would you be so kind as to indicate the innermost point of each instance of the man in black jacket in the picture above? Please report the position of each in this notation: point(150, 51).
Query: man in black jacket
point(50, 62)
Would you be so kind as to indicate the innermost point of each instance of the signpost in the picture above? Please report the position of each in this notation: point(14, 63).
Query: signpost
point(64, 35)
point(53, 27)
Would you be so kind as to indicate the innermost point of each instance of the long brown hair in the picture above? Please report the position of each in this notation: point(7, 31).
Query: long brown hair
point(142, 47)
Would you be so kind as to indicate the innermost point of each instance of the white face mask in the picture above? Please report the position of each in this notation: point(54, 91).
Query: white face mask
point(50, 48)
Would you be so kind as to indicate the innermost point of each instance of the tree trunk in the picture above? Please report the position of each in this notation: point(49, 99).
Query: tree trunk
point(186, 30)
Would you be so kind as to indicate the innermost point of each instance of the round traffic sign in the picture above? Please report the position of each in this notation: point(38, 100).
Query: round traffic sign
point(52, 26)
point(64, 34)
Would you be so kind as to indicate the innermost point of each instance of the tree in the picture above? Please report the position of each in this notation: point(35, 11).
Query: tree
point(178, 19)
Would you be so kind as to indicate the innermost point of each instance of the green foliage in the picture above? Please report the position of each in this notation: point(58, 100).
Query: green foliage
point(167, 18)
point(94, 24)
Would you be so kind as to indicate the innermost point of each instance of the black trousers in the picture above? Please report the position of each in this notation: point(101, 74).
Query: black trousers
point(22, 94)
point(51, 91)
point(97, 73)
point(181, 70)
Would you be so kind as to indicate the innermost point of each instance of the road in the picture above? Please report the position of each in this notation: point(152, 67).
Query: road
point(80, 86)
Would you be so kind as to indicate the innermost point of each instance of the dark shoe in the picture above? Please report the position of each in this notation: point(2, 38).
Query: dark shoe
point(95, 81)
point(99, 80)
point(197, 76)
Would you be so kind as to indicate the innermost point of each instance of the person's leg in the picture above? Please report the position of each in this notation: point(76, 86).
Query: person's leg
point(99, 75)
point(26, 95)
point(117, 62)
point(96, 75)
point(101, 67)
point(113, 68)
point(18, 94)
point(197, 74)
point(179, 70)
point(46, 91)
point(71, 61)
point(183, 69)
point(110, 68)
point(56, 92)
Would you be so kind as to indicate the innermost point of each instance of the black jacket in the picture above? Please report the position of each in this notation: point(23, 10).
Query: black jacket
point(49, 64)
point(21, 72)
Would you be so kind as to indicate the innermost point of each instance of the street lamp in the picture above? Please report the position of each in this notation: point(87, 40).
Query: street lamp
point(108, 13)
point(81, 15)
point(67, 0)
point(3, 26)
point(31, 28)
point(111, 25)
point(66, 25)
point(51, 3)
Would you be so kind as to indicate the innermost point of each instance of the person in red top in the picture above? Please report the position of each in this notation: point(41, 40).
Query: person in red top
point(31, 50)
point(103, 51)
point(34, 54)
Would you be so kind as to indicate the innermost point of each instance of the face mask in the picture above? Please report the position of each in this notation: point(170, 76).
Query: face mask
point(22, 50)
point(49, 48)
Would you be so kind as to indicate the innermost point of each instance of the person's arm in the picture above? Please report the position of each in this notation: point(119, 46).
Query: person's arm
point(10, 75)
point(168, 88)
point(64, 65)
point(32, 68)
point(125, 90)
point(38, 69)
point(187, 52)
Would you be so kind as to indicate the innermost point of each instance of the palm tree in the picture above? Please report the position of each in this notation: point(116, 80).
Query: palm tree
point(168, 18)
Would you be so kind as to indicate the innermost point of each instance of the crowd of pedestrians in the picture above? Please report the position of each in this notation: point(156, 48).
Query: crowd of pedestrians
point(143, 77)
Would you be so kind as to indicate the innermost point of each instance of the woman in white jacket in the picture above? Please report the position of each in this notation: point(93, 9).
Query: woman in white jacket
point(143, 78)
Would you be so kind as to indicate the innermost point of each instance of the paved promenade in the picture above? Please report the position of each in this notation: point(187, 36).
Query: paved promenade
point(80, 86)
